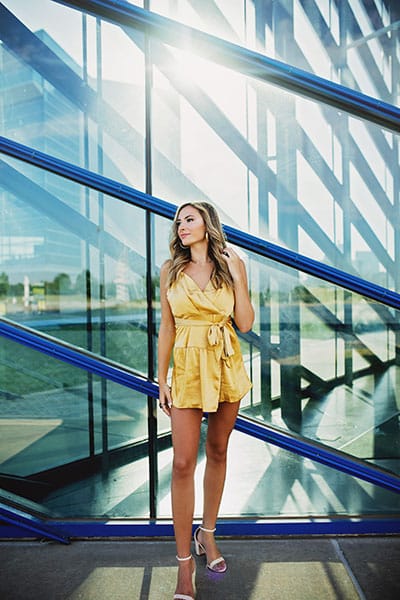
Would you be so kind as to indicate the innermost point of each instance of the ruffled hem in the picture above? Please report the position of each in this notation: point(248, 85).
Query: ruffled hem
point(202, 379)
point(212, 408)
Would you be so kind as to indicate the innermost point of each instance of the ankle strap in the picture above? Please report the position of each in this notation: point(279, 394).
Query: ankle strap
point(184, 558)
point(207, 530)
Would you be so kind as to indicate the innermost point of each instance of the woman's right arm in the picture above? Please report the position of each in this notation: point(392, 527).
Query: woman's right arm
point(166, 338)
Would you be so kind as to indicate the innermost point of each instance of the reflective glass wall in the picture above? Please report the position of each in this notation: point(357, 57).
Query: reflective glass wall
point(83, 267)
point(354, 42)
point(313, 178)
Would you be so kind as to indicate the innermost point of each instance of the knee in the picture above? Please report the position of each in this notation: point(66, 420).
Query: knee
point(216, 452)
point(183, 467)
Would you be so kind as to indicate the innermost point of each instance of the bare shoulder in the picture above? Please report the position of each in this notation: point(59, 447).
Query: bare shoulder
point(165, 267)
point(164, 272)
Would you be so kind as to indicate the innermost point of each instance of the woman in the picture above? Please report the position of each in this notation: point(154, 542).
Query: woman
point(201, 286)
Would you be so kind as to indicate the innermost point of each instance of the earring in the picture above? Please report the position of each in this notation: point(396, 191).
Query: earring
point(206, 236)
point(183, 247)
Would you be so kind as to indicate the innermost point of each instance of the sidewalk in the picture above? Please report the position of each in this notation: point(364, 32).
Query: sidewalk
point(334, 568)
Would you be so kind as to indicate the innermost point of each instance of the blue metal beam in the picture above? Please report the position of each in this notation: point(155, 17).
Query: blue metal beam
point(122, 375)
point(18, 518)
point(77, 357)
point(313, 451)
point(232, 528)
point(243, 60)
point(16, 37)
point(298, 81)
point(319, 453)
point(166, 209)
point(86, 177)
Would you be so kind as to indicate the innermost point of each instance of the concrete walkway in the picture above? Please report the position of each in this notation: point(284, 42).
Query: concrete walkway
point(323, 568)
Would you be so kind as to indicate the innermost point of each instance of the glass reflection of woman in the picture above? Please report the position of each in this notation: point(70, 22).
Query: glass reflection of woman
point(202, 286)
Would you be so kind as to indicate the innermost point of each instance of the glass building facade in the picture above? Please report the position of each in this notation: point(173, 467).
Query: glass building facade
point(283, 115)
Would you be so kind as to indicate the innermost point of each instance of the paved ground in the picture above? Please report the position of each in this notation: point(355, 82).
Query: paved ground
point(323, 568)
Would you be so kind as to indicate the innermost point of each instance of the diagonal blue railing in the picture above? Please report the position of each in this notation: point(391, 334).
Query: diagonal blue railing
point(77, 357)
point(124, 376)
point(14, 516)
point(246, 61)
point(166, 209)
point(43, 60)
point(17, 519)
point(254, 65)
point(129, 378)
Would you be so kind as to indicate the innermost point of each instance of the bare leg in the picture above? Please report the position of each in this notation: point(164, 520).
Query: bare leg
point(185, 424)
point(220, 425)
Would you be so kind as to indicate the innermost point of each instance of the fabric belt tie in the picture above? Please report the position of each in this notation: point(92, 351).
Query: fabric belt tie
point(217, 332)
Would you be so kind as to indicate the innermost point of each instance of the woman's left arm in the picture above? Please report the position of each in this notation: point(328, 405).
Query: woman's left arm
point(243, 310)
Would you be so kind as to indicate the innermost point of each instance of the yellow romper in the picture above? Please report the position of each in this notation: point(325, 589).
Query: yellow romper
point(208, 364)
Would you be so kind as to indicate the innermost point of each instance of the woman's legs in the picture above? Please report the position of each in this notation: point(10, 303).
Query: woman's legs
point(185, 424)
point(220, 425)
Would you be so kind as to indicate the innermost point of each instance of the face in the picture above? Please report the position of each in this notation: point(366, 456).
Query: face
point(190, 226)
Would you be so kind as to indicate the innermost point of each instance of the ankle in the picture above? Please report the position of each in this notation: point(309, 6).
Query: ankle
point(185, 585)
point(182, 559)
point(206, 530)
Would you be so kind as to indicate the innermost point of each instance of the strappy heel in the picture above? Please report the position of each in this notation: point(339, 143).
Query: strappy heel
point(185, 596)
point(200, 550)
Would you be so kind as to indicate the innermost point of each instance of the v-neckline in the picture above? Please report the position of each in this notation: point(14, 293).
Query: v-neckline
point(196, 284)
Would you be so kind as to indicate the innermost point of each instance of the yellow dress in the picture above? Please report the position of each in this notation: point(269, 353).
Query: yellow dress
point(208, 364)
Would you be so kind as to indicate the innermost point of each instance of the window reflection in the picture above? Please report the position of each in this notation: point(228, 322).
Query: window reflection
point(74, 262)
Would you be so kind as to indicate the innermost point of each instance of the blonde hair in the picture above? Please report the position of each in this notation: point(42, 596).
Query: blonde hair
point(180, 255)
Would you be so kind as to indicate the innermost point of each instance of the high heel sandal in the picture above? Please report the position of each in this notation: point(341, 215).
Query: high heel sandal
point(200, 549)
point(185, 596)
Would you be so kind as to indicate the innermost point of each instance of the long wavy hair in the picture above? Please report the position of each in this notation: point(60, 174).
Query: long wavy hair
point(180, 255)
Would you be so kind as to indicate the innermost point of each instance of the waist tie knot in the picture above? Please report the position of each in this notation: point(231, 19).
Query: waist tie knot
point(217, 332)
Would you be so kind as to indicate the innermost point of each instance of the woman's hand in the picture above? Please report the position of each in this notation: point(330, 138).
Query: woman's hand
point(165, 399)
point(234, 263)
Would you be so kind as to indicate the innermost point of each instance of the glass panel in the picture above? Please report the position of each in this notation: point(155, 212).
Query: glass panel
point(305, 175)
point(324, 363)
point(67, 437)
point(197, 132)
point(282, 167)
point(354, 43)
point(266, 481)
point(73, 263)
point(222, 18)
point(50, 411)
point(73, 86)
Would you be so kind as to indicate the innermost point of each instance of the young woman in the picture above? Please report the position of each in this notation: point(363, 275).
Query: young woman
point(201, 287)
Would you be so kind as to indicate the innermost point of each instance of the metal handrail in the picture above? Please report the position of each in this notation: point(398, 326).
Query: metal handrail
point(244, 60)
point(123, 375)
point(320, 453)
point(15, 516)
point(78, 357)
point(165, 209)
point(272, 71)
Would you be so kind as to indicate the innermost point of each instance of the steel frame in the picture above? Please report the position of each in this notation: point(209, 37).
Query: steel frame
point(300, 82)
